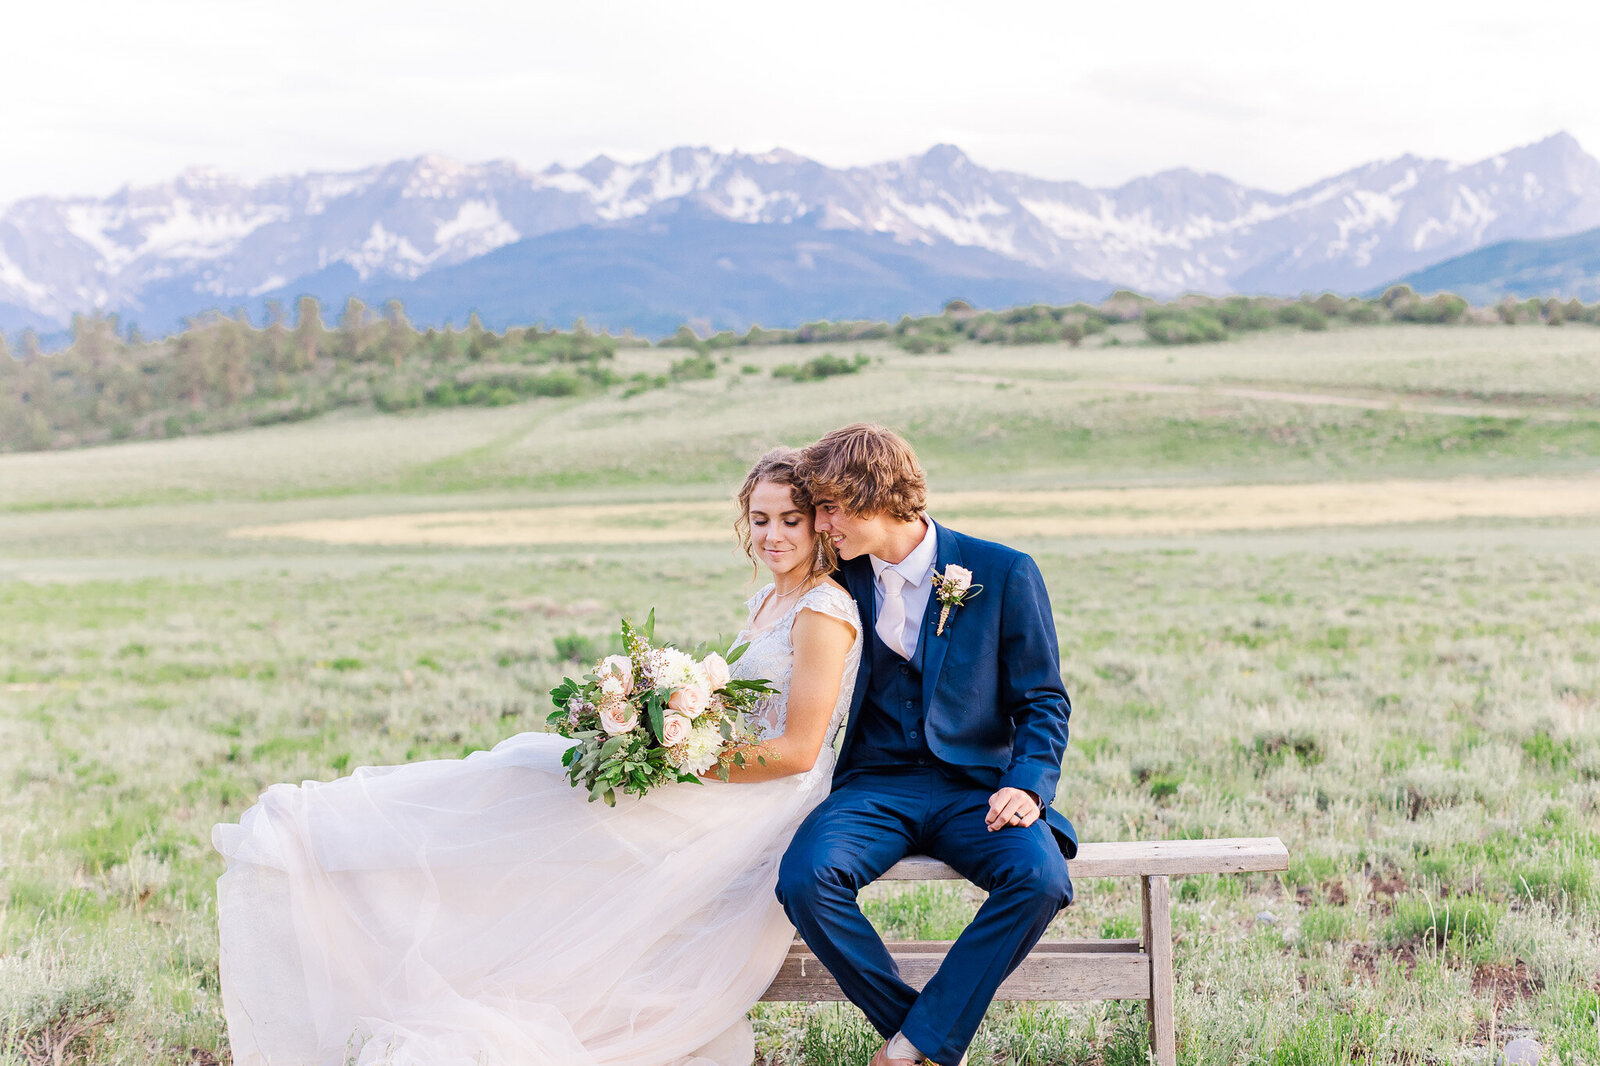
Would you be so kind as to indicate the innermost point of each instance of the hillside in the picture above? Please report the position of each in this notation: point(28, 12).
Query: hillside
point(1560, 267)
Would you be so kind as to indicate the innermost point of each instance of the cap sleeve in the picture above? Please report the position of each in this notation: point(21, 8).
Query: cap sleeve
point(833, 602)
point(754, 602)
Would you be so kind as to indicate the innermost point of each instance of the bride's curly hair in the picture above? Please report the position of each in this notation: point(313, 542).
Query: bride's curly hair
point(781, 466)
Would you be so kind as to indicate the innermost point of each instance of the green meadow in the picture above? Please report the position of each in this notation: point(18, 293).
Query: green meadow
point(1412, 706)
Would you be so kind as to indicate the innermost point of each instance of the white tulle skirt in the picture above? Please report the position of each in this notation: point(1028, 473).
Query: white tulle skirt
point(483, 911)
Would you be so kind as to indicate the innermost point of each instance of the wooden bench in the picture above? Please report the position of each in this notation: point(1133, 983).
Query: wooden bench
point(1064, 970)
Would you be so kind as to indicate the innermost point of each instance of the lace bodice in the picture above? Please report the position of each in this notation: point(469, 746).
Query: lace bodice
point(771, 655)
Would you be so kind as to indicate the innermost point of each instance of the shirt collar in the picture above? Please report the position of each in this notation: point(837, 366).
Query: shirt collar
point(915, 567)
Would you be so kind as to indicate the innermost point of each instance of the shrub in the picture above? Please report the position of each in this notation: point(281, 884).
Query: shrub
point(1196, 326)
point(555, 383)
point(826, 365)
point(921, 344)
point(1443, 309)
point(1243, 313)
point(1396, 294)
point(50, 1011)
point(693, 368)
point(1303, 315)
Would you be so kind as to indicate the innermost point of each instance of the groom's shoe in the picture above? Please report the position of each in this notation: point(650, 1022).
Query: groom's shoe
point(898, 1051)
point(894, 1053)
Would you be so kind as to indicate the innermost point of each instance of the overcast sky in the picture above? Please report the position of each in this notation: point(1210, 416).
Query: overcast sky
point(95, 95)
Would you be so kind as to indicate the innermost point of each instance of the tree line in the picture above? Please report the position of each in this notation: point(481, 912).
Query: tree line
point(223, 372)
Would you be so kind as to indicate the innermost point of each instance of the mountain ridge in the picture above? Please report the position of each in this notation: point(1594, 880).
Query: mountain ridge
point(205, 239)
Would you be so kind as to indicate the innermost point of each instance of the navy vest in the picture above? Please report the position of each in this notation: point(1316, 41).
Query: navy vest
point(892, 731)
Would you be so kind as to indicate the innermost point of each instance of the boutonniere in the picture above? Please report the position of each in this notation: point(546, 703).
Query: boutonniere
point(952, 587)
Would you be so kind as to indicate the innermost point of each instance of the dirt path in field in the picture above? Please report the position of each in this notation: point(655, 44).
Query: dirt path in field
point(1315, 399)
point(1000, 515)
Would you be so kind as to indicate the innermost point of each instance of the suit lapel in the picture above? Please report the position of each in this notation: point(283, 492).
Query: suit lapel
point(936, 644)
point(858, 579)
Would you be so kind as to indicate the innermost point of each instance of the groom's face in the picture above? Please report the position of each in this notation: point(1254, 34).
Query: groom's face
point(852, 535)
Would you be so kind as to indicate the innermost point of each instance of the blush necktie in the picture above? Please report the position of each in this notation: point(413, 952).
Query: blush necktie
point(892, 614)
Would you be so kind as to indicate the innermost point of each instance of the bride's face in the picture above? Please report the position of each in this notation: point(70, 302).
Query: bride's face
point(781, 534)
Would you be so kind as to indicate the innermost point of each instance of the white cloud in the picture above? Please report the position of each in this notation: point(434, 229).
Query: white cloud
point(1272, 94)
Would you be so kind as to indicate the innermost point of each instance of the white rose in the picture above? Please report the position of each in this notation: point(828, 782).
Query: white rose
point(689, 700)
point(958, 578)
point(619, 667)
point(675, 729)
point(716, 668)
point(617, 715)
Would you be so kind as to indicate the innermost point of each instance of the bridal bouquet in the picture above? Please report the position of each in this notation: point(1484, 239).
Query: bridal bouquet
point(653, 716)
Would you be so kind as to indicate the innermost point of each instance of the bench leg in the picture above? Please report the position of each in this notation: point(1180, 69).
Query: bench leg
point(1158, 944)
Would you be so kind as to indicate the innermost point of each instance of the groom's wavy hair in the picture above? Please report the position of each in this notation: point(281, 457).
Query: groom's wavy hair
point(781, 466)
point(867, 470)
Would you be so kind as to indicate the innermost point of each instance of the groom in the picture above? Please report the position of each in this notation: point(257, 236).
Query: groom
point(957, 728)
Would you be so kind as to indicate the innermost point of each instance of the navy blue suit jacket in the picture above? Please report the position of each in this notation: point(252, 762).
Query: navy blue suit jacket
point(993, 700)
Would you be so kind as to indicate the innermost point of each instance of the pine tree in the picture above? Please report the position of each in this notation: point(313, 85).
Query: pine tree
point(308, 331)
point(31, 350)
point(398, 336)
point(194, 373)
point(232, 346)
point(352, 330)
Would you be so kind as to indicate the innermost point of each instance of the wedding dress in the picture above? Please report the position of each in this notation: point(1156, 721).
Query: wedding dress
point(483, 911)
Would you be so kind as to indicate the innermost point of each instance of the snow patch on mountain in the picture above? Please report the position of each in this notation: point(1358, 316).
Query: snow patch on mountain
point(387, 253)
point(477, 227)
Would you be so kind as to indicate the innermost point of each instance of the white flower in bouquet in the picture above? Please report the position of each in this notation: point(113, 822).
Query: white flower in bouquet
point(611, 685)
point(617, 715)
point(619, 667)
point(699, 752)
point(671, 668)
point(716, 670)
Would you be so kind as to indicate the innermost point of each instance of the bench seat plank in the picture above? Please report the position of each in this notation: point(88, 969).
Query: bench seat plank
point(1137, 858)
point(1056, 970)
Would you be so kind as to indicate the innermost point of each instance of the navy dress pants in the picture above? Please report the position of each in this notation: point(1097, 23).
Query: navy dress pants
point(873, 821)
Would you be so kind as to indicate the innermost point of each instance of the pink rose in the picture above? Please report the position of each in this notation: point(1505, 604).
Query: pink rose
point(619, 667)
point(716, 668)
point(690, 700)
point(959, 577)
point(617, 715)
point(675, 729)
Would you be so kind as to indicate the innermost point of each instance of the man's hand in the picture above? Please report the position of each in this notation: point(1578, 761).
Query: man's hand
point(1012, 806)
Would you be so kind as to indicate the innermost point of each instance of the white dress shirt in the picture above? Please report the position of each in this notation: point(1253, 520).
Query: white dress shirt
point(917, 570)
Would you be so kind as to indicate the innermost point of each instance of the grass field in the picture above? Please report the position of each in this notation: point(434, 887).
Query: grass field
point(1409, 697)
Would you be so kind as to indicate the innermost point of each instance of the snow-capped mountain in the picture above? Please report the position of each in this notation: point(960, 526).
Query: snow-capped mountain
point(206, 240)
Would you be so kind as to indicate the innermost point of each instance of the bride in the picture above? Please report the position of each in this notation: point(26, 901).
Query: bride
point(483, 911)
